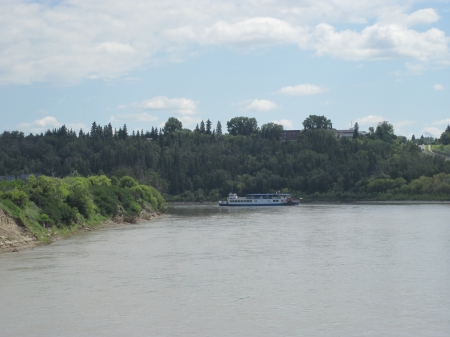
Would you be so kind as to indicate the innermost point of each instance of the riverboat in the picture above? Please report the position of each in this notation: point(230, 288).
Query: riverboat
point(268, 199)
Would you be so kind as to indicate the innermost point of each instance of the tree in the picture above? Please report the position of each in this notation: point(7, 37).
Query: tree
point(242, 126)
point(208, 127)
point(202, 127)
point(93, 129)
point(413, 138)
point(219, 128)
point(271, 131)
point(421, 140)
point(124, 132)
point(317, 122)
point(172, 125)
point(445, 136)
point(356, 131)
point(385, 131)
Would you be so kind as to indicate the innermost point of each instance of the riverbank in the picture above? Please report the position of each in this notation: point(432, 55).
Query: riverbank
point(369, 202)
point(15, 236)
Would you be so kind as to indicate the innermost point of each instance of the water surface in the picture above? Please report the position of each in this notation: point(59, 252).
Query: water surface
point(310, 270)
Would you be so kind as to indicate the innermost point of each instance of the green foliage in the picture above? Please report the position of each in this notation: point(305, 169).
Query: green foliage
point(242, 126)
point(445, 136)
point(186, 165)
point(271, 131)
point(385, 131)
point(64, 204)
point(172, 125)
point(10, 208)
point(128, 182)
point(18, 197)
point(314, 122)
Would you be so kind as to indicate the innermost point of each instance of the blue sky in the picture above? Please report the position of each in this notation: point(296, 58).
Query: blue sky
point(141, 62)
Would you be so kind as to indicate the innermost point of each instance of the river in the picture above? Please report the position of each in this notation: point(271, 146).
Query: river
point(308, 270)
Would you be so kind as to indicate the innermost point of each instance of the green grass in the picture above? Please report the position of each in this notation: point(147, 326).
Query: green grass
point(427, 149)
point(441, 149)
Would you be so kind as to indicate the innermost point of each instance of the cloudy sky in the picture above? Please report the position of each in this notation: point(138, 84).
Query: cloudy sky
point(140, 62)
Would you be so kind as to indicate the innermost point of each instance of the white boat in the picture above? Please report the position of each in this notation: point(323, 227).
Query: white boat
point(268, 199)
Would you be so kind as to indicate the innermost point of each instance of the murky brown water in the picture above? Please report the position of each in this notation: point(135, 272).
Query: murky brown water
point(311, 270)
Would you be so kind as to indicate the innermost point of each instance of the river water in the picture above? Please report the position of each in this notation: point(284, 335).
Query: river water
point(308, 270)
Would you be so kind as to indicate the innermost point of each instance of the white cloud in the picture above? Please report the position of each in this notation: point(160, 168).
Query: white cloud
point(302, 90)
point(399, 126)
point(438, 87)
point(381, 41)
point(182, 106)
point(138, 117)
point(421, 16)
point(370, 120)
point(254, 32)
point(46, 123)
point(70, 41)
point(258, 105)
point(189, 121)
point(431, 130)
point(445, 121)
point(288, 124)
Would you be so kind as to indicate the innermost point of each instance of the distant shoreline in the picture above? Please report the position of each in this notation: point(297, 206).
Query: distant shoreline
point(380, 202)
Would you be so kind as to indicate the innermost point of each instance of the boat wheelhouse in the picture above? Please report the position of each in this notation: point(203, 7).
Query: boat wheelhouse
point(268, 199)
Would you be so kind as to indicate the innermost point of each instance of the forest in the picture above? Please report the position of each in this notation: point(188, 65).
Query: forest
point(207, 163)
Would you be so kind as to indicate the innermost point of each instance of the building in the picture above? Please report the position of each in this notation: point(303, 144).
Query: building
point(343, 133)
point(290, 134)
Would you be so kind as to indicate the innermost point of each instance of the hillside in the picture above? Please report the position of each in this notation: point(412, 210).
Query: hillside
point(197, 165)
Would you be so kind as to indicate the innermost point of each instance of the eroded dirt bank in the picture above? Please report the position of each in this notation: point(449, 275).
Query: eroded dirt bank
point(14, 236)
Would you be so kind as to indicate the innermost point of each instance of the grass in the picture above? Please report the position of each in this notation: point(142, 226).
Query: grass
point(441, 149)
point(427, 149)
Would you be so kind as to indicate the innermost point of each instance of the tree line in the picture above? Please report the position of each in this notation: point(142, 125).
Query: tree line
point(207, 164)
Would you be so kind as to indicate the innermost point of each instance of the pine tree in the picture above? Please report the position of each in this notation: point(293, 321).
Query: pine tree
point(197, 129)
point(202, 127)
point(125, 132)
point(93, 129)
point(219, 128)
point(208, 127)
point(356, 131)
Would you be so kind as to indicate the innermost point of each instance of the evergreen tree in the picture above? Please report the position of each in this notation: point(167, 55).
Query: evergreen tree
point(356, 131)
point(202, 127)
point(208, 127)
point(93, 129)
point(219, 128)
point(124, 132)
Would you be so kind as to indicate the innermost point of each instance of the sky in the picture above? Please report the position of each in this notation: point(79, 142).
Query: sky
point(140, 62)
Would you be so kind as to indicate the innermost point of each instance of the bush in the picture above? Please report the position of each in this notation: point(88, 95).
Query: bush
point(20, 198)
